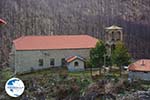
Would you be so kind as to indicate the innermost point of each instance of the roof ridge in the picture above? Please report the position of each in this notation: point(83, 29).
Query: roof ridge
point(28, 36)
point(18, 39)
point(54, 42)
point(57, 35)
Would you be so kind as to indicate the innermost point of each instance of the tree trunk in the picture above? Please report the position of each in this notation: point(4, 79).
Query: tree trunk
point(110, 69)
point(99, 70)
point(120, 71)
point(91, 70)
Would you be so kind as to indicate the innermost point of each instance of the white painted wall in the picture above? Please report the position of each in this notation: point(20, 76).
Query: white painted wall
point(71, 66)
point(25, 60)
point(139, 75)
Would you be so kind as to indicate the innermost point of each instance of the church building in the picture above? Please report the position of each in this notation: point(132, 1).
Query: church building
point(31, 53)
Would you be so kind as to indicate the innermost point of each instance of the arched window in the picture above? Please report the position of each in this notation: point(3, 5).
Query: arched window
point(107, 46)
point(63, 61)
point(52, 61)
point(113, 36)
point(41, 62)
point(76, 63)
point(113, 47)
point(118, 36)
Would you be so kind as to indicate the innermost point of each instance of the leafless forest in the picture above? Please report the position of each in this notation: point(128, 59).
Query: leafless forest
point(44, 17)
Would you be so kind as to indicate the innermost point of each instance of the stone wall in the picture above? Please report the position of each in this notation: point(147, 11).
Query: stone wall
point(26, 61)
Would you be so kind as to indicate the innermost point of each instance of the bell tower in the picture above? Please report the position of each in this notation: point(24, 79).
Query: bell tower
point(112, 35)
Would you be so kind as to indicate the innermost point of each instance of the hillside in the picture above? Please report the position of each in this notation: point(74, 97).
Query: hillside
point(43, 17)
point(59, 84)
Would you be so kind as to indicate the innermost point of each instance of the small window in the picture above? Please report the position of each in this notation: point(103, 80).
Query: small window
point(63, 61)
point(113, 36)
point(41, 62)
point(52, 62)
point(76, 64)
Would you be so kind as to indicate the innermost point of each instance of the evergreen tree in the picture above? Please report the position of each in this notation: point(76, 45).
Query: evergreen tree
point(120, 55)
point(97, 55)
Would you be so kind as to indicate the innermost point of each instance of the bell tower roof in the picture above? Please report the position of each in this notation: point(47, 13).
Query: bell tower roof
point(113, 27)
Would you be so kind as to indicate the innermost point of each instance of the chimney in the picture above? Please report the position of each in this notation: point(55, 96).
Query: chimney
point(52, 33)
point(142, 64)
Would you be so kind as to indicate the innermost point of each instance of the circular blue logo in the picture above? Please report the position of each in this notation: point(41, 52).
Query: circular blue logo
point(14, 87)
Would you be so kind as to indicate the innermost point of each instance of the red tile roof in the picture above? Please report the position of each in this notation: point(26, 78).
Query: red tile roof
point(2, 21)
point(72, 58)
point(54, 42)
point(140, 65)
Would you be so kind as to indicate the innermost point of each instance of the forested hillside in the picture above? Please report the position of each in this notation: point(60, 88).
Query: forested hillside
point(44, 17)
